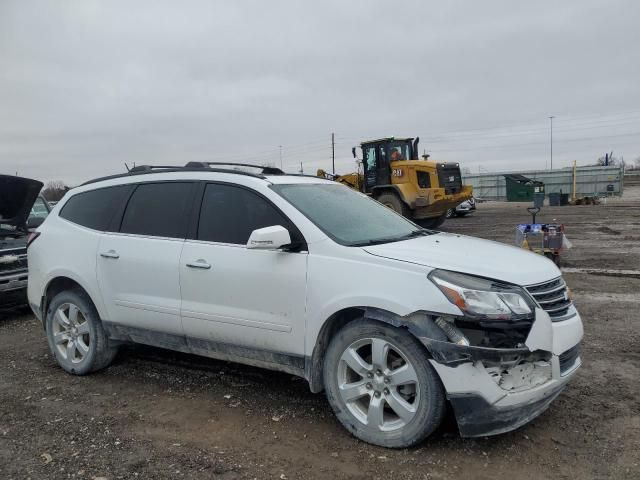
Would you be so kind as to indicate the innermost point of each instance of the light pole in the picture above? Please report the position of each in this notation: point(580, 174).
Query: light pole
point(551, 140)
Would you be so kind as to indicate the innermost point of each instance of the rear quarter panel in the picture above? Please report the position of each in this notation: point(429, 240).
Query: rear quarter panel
point(64, 249)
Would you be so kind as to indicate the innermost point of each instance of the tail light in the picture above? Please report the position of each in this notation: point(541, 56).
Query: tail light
point(32, 236)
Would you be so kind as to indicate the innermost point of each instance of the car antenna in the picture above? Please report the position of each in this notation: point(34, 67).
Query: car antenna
point(127, 167)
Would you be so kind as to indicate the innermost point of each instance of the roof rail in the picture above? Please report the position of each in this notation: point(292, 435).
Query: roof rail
point(195, 166)
point(150, 168)
point(264, 170)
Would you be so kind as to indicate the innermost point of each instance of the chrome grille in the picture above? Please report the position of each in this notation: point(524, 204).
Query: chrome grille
point(552, 297)
point(12, 267)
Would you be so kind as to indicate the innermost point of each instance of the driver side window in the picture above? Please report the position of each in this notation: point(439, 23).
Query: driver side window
point(229, 214)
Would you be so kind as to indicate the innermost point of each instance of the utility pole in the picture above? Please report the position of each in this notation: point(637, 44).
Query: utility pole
point(551, 140)
point(280, 147)
point(333, 152)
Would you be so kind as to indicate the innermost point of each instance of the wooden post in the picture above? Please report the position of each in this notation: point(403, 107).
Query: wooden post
point(573, 190)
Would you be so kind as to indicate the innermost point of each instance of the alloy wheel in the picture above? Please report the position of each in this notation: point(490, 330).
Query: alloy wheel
point(378, 384)
point(71, 333)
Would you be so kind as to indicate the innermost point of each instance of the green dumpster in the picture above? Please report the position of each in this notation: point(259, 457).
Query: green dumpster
point(521, 188)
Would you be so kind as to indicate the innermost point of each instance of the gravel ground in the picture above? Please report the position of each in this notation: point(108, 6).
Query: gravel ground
point(157, 414)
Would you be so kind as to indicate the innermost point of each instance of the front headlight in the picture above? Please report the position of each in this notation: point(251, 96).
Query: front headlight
point(482, 298)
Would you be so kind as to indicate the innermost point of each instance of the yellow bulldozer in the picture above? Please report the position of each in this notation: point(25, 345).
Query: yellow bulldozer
point(392, 173)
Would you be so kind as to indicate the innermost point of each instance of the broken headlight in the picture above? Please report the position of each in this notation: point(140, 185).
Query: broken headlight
point(481, 298)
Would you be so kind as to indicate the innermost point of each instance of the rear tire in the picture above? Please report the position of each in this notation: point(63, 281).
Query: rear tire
point(381, 386)
point(75, 334)
point(392, 201)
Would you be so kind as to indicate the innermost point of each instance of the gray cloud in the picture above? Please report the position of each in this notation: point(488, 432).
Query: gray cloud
point(88, 85)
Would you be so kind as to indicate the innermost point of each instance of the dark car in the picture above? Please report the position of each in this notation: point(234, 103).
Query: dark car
point(21, 209)
point(463, 209)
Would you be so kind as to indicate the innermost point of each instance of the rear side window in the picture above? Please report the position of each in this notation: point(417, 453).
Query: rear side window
point(159, 210)
point(229, 214)
point(94, 209)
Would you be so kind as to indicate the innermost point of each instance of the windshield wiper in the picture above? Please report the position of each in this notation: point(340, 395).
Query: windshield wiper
point(378, 241)
point(418, 233)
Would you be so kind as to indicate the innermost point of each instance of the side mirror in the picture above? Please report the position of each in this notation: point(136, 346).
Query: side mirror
point(34, 222)
point(269, 238)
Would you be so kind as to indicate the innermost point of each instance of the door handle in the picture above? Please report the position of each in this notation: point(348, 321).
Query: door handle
point(110, 254)
point(200, 263)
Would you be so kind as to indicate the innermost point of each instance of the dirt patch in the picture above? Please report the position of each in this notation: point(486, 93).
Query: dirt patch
point(158, 414)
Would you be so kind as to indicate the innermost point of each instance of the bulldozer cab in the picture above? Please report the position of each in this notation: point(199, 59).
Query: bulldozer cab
point(378, 156)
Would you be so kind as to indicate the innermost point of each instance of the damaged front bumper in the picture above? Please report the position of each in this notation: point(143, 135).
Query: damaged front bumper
point(476, 417)
point(495, 390)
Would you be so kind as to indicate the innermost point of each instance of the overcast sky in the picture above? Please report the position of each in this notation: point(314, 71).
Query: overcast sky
point(88, 85)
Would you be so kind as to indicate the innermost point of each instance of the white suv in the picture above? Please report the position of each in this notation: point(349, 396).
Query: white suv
point(309, 277)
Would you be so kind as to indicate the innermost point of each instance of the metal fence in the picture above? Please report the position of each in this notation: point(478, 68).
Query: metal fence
point(590, 181)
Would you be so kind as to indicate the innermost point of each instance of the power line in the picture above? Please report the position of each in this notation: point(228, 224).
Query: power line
point(567, 124)
point(569, 140)
point(533, 126)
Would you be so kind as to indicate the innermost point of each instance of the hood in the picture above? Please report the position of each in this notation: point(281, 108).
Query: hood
point(471, 255)
point(17, 196)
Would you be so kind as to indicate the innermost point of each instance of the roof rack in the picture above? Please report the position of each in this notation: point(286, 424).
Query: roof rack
point(264, 170)
point(150, 168)
point(195, 166)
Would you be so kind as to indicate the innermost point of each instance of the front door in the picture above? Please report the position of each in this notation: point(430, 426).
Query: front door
point(137, 266)
point(383, 166)
point(236, 296)
point(370, 164)
point(376, 166)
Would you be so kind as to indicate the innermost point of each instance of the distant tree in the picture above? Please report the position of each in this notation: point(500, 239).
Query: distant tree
point(608, 159)
point(54, 190)
point(636, 164)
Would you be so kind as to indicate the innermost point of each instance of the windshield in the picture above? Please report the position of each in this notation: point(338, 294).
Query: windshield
point(349, 217)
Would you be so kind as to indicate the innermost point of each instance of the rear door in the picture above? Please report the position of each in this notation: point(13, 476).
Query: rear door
point(138, 262)
point(232, 295)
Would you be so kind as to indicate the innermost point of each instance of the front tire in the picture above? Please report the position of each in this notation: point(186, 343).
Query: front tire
point(75, 334)
point(381, 386)
point(392, 201)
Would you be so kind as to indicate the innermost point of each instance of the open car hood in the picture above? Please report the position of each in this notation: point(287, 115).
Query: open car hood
point(17, 196)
